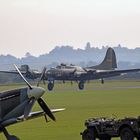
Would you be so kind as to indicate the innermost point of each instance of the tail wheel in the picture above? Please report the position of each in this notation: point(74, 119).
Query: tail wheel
point(81, 85)
point(126, 134)
point(87, 135)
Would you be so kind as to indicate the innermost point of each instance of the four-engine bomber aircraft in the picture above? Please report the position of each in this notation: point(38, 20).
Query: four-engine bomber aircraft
point(81, 75)
point(16, 106)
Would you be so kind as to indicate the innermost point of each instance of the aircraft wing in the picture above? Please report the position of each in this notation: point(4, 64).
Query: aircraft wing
point(12, 72)
point(57, 110)
point(29, 75)
point(32, 115)
point(110, 73)
point(98, 74)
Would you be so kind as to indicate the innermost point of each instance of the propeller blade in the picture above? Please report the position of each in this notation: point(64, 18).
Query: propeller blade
point(46, 109)
point(44, 82)
point(85, 69)
point(23, 77)
point(42, 76)
point(75, 70)
point(28, 107)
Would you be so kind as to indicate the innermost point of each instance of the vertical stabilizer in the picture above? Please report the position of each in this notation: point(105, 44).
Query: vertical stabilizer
point(109, 62)
point(24, 68)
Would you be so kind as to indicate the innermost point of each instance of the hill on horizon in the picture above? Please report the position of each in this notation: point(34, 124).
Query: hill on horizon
point(126, 58)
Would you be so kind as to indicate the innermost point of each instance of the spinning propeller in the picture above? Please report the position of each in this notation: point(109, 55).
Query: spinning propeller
point(35, 94)
point(42, 76)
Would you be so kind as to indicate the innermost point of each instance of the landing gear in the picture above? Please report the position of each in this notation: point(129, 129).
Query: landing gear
point(8, 136)
point(102, 81)
point(81, 85)
point(50, 86)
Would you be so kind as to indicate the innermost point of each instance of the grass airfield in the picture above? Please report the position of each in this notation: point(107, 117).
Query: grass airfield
point(112, 99)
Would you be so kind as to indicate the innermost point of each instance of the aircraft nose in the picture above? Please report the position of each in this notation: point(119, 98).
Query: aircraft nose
point(41, 90)
point(36, 92)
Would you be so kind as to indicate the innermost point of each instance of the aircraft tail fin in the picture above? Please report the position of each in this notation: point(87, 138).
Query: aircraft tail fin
point(109, 62)
point(24, 68)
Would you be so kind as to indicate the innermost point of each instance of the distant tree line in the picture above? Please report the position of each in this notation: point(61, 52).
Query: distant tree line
point(90, 55)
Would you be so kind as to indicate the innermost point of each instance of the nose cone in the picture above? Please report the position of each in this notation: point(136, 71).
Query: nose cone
point(36, 92)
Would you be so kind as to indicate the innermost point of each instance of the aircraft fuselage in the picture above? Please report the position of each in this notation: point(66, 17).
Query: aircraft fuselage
point(12, 103)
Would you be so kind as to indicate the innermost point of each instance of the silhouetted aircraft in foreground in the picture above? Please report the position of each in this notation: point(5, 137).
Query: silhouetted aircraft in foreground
point(16, 106)
point(71, 73)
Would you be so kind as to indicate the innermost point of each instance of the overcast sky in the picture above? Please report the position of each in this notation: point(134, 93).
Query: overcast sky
point(37, 26)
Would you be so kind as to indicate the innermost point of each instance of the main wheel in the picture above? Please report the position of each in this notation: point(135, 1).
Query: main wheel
point(126, 134)
point(87, 135)
point(12, 137)
point(50, 86)
point(81, 85)
point(102, 81)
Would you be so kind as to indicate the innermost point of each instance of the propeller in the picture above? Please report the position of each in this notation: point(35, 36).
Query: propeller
point(42, 104)
point(46, 108)
point(42, 76)
point(32, 100)
point(85, 69)
point(74, 71)
point(89, 71)
point(28, 107)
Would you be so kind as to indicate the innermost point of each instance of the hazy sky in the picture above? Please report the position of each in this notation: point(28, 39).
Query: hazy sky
point(37, 26)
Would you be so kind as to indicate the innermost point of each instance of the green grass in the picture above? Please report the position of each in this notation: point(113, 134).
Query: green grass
point(95, 101)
